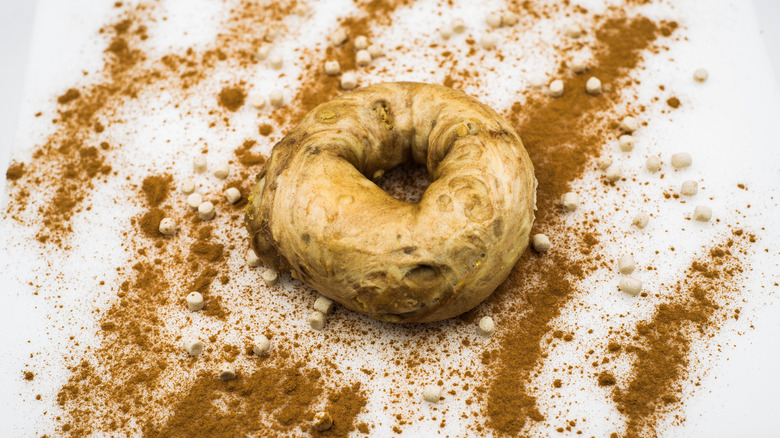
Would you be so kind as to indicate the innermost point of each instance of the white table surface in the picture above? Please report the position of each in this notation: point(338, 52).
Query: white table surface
point(737, 402)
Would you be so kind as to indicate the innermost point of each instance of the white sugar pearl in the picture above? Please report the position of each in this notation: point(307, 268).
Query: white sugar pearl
point(613, 173)
point(232, 195)
point(570, 201)
point(275, 60)
point(574, 31)
point(322, 421)
point(199, 164)
point(348, 80)
point(271, 34)
point(556, 88)
point(630, 286)
point(446, 31)
point(167, 226)
point(603, 163)
point(488, 42)
point(261, 345)
point(681, 160)
point(338, 37)
point(252, 259)
point(458, 25)
point(702, 213)
point(541, 243)
point(431, 393)
point(700, 75)
point(317, 320)
point(227, 372)
point(222, 170)
point(187, 186)
point(332, 68)
point(195, 301)
point(509, 19)
point(486, 326)
point(493, 19)
point(376, 51)
point(257, 101)
point(270, 277)
point(194, 347)
point(537, 82)
point(579, 64)
point(194, 200)
point(362, 58)
point(629, 124)
point(626, 142)
point(262, 52)
point(626, 264)
point(323, 305)
point(361, 42)
point(206, 211)
point(301, 10)
point(276, 97)
point(653, 164)
point(640, 220)
point(689, 188)
point(593, 86)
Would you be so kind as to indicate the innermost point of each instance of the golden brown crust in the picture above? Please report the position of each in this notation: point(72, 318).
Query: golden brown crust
point(315, 214)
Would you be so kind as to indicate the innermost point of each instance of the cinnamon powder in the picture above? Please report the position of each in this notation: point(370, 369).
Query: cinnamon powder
point(662, 344)
point(268, 401)
point(562, 137)
point(116, 388)
point(232, 98)
point(131, 364)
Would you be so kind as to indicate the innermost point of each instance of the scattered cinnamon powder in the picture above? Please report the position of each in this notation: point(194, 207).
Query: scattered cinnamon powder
point(15, 171)
point(561, 143)
point(156, 188)
point(320, 87)
point(661, 346)
point(69, 163)
point(266, 129)
point(271, 400)
point(232, 98)
point(124, 386)
point(344, 407)
point(149, 222)
point(71, 94)
point(247, 158)
point(606, 379)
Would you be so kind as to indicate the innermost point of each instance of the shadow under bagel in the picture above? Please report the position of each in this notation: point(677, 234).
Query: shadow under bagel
point(315, 212)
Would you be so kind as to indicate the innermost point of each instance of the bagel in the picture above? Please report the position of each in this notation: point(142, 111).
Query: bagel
point(314, 212)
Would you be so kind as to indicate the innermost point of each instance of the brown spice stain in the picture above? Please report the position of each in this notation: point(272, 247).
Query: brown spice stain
point(662, 345)
point(343, 406)
point(232, 98)
point(269, 400)
point(562, 135)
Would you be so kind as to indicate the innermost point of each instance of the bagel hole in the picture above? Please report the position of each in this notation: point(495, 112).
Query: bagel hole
point(406, 182)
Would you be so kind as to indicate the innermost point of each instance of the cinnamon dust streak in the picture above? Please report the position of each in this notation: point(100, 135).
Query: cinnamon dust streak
point(662, 344)
point(562, 136)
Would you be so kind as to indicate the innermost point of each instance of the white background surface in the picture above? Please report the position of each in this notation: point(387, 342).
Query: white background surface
point(740, 398)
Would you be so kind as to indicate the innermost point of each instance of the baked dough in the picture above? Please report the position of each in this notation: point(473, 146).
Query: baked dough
point(315, 213)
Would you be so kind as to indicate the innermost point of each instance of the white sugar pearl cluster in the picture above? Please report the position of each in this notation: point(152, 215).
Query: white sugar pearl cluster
point(322, 307)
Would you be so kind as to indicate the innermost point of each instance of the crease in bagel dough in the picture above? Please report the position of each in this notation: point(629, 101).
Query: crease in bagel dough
point(315, 213)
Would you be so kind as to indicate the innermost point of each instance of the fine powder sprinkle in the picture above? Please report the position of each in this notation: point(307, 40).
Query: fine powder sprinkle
point(138, 380)
point(561, 144)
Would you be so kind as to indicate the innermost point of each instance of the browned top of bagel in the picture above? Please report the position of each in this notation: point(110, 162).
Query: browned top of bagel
point(315, 213)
